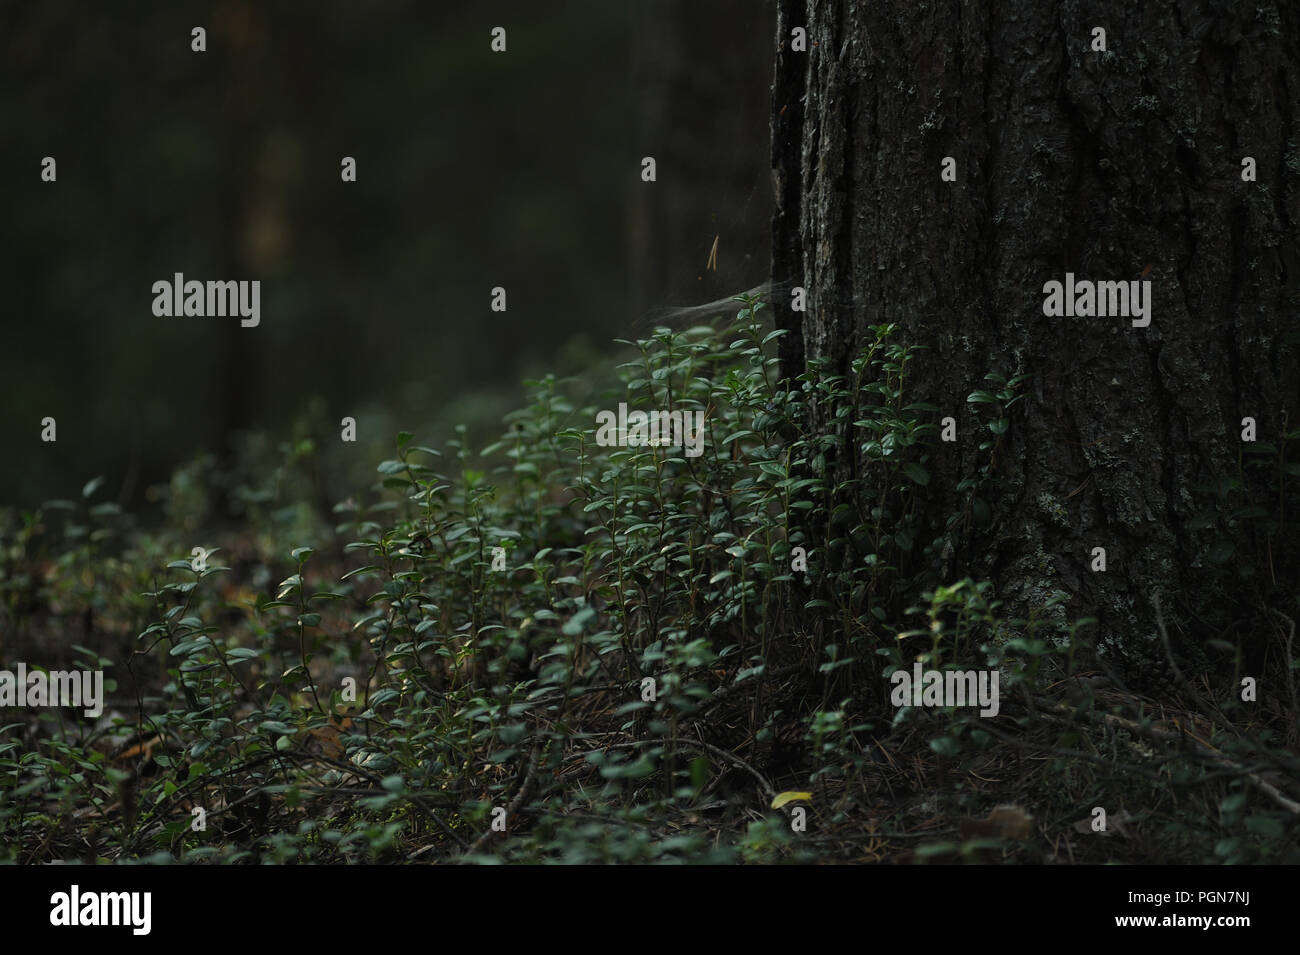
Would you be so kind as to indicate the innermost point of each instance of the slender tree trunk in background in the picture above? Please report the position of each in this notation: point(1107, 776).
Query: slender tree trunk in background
point(1112, 165)
point(703, 113)
point(245, 105)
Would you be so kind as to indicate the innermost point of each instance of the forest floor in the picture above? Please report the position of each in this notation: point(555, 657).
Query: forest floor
point(549, 650)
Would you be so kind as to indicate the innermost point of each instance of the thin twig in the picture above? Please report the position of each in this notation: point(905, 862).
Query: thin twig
point(358, 771)
point(1166, 735)
point(527, 778)
point(1290, 673)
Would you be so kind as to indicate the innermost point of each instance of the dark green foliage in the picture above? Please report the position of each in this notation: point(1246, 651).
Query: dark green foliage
point(520, 689)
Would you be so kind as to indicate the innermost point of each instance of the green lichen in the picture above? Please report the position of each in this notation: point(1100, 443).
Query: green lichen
point(1053, 510)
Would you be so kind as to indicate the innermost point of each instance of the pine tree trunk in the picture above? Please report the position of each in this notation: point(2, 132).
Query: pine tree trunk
point(1116, 165)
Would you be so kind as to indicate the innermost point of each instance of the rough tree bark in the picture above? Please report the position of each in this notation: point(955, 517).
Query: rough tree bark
point(1113, 165)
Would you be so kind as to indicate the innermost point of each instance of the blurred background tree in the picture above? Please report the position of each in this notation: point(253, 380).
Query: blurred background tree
point(475, 169)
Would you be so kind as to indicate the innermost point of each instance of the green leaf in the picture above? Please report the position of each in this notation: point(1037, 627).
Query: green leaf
point(578, 622)
point(1266, 826)
point(1232, 803)
point(917, 473)
point(944, 746)
point(639, 768)
point(699, 772)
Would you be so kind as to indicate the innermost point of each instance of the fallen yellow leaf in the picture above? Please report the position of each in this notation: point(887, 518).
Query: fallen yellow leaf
point(783, 798)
